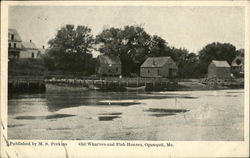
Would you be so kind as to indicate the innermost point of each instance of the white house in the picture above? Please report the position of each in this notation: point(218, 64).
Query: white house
point(29, 50)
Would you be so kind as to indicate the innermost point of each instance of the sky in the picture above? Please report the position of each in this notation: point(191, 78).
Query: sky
point(182, 27)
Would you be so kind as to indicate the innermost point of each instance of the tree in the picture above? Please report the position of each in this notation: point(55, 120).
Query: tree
point(69, 48)
point(131, 44)
point(215, 51)
point(158, 47)
point(187, 66)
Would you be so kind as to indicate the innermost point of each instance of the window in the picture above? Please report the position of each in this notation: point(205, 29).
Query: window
point(32, 55)
point(158, 71)
point(14, 45)
point(12, 37)
point(9, 45)
point(117, 69)
point(148, 71)
point(238, 61)
point(109, 70)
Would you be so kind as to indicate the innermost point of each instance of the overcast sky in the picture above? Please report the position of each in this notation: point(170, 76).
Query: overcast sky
point(187, 27)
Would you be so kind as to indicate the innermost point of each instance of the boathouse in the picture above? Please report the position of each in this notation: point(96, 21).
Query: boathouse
point(159, 67)
point(219, 69)
point(108, 65)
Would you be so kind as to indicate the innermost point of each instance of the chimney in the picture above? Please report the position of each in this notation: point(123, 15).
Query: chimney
point(43, 47)
point(30, 41)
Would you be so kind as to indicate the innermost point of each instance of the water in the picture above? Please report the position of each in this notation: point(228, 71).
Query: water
point(93, 115)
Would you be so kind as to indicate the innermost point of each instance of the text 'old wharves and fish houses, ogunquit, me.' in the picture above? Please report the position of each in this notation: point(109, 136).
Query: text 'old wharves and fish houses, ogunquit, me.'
point(27, 73)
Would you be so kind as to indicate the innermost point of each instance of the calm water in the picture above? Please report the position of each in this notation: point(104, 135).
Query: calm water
point(93, 115)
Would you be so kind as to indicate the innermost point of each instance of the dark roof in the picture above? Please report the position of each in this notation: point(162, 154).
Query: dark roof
point(17, 37)
point(156, 61)
point(29, 45)
point(104, 59)
point(220, 63)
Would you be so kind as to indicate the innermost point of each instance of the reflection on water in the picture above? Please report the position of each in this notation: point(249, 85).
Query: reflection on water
point(54, 116)
point(113, 113)
point(167, 110)
point(203, 115)
point(17, 125)
point(67, 99)
point(107, 118)
point(164, 112)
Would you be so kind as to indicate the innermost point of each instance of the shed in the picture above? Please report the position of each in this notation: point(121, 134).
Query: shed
point(219, 69)
point(159, 67)
point(107, 65)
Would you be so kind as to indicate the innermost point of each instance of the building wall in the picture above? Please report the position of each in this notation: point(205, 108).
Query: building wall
point(28, 53)
point(150, 72)
point(14, 48)
point(165, 70)
point(223, 72)
point(212, 70)
point(113, 70)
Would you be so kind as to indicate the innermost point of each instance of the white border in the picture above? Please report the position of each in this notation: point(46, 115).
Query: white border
point(181, 148)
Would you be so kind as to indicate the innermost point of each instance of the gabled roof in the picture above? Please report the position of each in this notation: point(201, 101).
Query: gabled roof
point(29, 45)
point(14, 32)
point(104, 59)
point(156, 61)
point(235, 61)
point(218, 63)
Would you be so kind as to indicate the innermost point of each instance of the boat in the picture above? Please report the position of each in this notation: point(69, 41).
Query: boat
point(93, 87)
point(142, 88)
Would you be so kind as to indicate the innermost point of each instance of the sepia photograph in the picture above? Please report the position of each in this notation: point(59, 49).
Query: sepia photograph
point(126, 73)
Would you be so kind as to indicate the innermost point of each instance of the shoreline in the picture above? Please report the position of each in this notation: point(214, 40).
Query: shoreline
point(127, 84)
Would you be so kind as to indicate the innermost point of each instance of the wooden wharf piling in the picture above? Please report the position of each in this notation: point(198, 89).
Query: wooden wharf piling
point(119, 84)
point(18, 84)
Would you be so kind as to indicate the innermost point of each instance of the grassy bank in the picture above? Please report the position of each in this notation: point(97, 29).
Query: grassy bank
point(26, 67)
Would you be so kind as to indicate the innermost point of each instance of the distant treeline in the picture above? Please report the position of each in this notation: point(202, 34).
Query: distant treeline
point(70, 51)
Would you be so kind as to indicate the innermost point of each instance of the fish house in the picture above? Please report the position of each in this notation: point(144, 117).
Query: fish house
point(219, 69)
point(159, 67)
point(108, 65)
